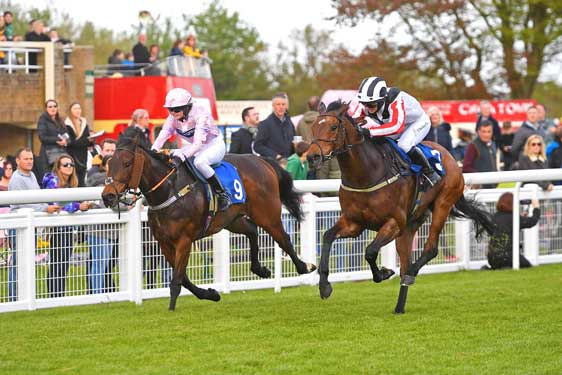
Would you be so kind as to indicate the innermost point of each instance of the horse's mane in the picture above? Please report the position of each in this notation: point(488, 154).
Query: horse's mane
point(124, 141)
point(336, 106)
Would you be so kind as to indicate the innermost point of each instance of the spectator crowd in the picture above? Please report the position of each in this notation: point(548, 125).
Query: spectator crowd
point(69, 157)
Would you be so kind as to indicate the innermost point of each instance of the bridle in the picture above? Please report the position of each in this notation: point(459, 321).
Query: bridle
point(132, 186)
point(341, 130)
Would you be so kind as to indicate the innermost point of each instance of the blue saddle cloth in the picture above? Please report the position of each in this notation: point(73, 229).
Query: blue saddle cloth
point(229, 178)
point(433, 156)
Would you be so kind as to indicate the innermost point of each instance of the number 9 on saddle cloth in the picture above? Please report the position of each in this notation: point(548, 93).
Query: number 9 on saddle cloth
point(227, 175)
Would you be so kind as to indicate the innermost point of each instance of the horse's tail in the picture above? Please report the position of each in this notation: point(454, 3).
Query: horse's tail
point(469, 208)
point(289, 196)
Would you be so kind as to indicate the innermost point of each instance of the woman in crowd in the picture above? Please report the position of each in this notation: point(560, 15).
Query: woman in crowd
point(79, 141)
point(7, 172)
point(190, 49)
point(500, 250)
point(534, 157)
point(177, 48)
point(52, 134)
point(8, 169)
point(440, 131)
point(62, 176)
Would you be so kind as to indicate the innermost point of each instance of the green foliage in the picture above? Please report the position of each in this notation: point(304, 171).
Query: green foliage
point(239, 67)
point(481, 322)
point(299, 65)
point(550, 94)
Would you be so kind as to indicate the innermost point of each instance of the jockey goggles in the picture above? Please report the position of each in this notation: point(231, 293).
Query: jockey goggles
point(177, 109)
point(377, 103)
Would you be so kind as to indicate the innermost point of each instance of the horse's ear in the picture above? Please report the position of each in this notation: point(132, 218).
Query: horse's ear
point(322, 107)
point(344, 107)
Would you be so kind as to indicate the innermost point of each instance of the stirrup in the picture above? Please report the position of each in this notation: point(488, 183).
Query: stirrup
point(223, 201)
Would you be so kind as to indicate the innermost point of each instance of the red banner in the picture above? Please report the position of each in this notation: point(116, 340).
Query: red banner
point(455, 111)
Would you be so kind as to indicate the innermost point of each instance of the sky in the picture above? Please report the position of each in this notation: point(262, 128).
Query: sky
point(272, 19)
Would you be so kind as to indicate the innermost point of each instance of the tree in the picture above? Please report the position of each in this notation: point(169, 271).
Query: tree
point(475, 48)
point(300, 64)
point(240, 70)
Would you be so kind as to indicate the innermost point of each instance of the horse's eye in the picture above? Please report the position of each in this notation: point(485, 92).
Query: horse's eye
point(127, 164)
point(334, 127)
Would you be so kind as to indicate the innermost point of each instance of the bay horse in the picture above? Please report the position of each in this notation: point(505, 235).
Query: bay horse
point(177, 224)
point(374, 198)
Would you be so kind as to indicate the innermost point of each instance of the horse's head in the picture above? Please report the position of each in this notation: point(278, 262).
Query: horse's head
point(124, 171)
point(334, 133)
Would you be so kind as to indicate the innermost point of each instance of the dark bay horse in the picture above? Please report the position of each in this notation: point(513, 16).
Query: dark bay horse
point(373, 198)
point(177, 225)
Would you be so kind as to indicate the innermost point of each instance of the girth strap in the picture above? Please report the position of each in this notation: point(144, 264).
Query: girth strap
point(168, 202)
point(372, 188)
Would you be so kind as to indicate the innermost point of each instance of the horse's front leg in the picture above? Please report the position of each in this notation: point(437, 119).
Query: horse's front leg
point(387, 233)
point(343, 228)
point(183, 249)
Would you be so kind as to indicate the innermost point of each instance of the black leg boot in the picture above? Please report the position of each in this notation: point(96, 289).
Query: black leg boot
point(418, 157)
point(223, 198)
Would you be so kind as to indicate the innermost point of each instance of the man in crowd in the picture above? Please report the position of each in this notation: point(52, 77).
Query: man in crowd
point(486, 115)
point(275, 138)
point(241, 140)
point(8, 26)
point(23, 179)
point(37, 34)
point(546, 124)
point(96, 174)
point(480, 155)
point(529, 127)
point(304, 127)
point(140, 51)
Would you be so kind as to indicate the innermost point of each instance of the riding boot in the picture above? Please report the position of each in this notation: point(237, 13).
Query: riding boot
point(419, 158)
point(222, 197)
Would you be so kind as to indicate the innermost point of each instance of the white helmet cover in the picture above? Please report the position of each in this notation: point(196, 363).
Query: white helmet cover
point(372, 89)
point(177, 97)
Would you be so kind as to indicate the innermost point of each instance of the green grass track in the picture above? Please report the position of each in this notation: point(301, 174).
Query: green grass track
point(479, 322)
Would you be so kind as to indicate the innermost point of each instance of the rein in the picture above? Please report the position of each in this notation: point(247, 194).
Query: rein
point(340, 130)
point(345, 147)
point(134, 182)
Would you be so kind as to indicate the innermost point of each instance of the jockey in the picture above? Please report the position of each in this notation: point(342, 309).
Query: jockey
point(395, 114)
point(194, 124)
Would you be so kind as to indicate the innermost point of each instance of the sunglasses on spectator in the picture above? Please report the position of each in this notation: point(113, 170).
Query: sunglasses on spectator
point(176, 109)
point(52, 106)
point(66, 165)
point(536, 144)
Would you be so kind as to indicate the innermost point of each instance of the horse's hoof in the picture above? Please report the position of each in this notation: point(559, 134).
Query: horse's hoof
point(213, 295)
point(407, 280)
point(310, 267)
point(387, 273)
point(383, 274)
point(325, 291)
point(262, 272)
point(398, 311)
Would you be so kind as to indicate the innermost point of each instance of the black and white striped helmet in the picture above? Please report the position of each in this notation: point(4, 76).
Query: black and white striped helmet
point(372, 89)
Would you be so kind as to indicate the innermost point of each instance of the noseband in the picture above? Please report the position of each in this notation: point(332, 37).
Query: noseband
point(345, 146)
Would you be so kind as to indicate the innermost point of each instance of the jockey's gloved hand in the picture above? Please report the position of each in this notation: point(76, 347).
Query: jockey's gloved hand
point(178, 153)
point(365, 132)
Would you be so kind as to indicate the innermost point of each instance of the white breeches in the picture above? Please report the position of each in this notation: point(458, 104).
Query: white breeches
point(211, 153)
point(413, 135)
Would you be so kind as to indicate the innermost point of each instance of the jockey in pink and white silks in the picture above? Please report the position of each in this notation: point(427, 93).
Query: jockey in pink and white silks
point(195, 125)
point(395, 114)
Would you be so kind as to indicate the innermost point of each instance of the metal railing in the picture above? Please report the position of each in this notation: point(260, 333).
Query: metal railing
point(97, 256)
point(16, 58)
point(178, 66)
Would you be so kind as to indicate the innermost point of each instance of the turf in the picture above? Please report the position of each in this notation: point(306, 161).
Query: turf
point(479, 322)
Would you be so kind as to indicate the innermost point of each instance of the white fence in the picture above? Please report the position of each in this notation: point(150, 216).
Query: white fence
point(91, 257)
